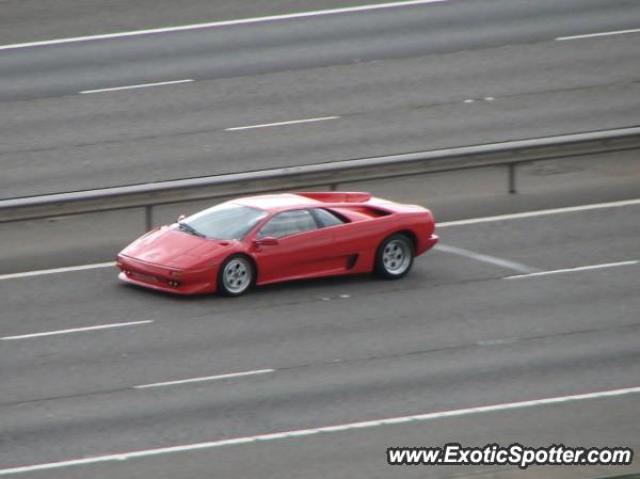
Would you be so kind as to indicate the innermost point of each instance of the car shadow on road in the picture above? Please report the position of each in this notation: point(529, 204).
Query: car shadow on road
point(319, 287)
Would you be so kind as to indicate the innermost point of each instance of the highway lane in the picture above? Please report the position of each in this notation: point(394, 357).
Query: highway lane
point(454, 334)
point(32, 20)
point(397, 78)
point(362, 453)
point(265, 47)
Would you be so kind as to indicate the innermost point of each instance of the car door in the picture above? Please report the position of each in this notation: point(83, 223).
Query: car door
point(353, 242)
point(300, 250)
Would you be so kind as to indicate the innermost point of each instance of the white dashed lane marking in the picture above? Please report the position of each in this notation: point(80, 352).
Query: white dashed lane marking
point(77, 330)
point(282, 123)
point(134, 87)
point(206, 378)
point(573, 270)
point(599, 34)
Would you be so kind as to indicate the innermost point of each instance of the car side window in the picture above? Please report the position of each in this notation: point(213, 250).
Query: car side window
point(288, 223)
point(326, 218)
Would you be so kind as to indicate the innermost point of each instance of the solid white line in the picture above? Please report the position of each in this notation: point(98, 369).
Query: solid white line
point(77, 330)
point(571, 270)
point(66, 269)
point(133, 87)
point(485, 258)
point(281, 123)
point(531, 214)
point(206, 378)
point(601, 34)
point(470, 221)
point(325, 429)
point(242, 21)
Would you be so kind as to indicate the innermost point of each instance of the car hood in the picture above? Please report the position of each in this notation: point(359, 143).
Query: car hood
point(173, 248)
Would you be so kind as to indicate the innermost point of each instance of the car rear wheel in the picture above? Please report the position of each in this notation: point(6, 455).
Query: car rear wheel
point(235, 276)
point(394, 257)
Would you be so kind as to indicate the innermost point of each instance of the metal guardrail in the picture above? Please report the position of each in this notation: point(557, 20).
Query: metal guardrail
point(329, 175)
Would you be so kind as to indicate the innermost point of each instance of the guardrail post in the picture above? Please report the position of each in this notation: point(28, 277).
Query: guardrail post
point(512, 178)
point(148, 217)
point(333, 187)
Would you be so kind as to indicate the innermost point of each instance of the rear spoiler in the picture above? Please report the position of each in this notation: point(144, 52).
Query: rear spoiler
point(337, 197)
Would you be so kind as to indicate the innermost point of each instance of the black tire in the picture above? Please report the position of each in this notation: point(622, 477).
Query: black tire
point(394, 257)
point(236, 275)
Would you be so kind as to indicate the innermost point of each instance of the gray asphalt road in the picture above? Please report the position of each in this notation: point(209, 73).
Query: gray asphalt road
point(454, 334)
point(401, 79)
point(33, 20)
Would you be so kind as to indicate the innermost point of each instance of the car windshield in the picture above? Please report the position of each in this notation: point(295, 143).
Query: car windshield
point(226, 221)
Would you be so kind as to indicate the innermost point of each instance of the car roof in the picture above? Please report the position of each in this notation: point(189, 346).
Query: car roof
point(277, 202)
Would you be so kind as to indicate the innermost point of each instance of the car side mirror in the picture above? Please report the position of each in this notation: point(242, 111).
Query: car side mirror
point(266, 241)
point(181, 217)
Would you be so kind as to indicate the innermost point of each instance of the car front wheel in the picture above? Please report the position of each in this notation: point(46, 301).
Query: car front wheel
point(394, 257)
point(235, 276)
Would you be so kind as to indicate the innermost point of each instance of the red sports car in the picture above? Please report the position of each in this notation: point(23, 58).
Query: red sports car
point(279, 237)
